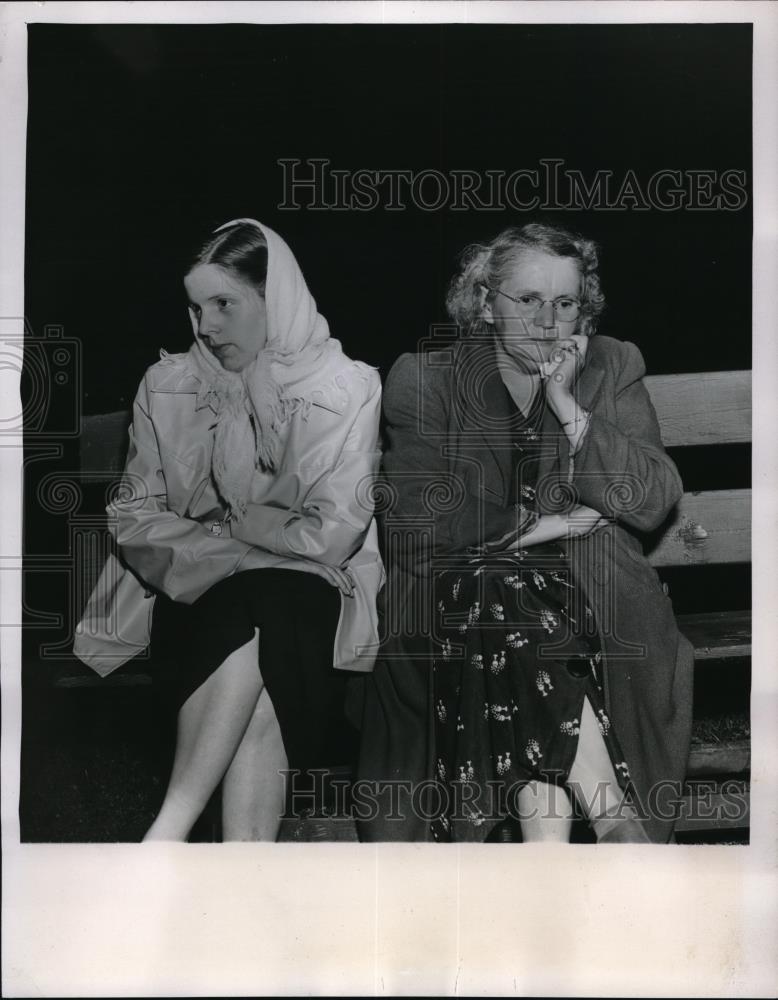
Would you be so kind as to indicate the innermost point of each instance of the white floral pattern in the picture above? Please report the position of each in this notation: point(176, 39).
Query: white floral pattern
point(498, 662)
point(466, 772)
point(532, 752)
point(543, 683)
point(496, 692)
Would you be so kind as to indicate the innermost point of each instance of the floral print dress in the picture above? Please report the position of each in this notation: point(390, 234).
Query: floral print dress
point(516, 653)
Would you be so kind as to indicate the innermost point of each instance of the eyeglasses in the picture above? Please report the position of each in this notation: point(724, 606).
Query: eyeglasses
point(566, 308)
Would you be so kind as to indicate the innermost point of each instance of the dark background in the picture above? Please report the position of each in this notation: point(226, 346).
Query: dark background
point(142, 138)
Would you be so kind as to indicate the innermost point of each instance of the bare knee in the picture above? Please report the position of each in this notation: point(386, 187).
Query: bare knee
point(545, 812)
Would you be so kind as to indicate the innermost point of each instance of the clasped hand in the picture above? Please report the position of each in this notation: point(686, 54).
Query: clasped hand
point(564, 366)
point(577, 523)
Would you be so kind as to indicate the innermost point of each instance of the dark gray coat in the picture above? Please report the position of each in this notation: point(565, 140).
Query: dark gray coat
point(449, 465)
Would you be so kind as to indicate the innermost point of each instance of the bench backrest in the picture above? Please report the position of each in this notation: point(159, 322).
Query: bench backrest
point(693, 409)
point(705, 408)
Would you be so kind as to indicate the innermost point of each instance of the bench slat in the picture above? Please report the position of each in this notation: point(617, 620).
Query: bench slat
point(719, 635)
point(728, 811)
point(707, 527)
point(702, 408)
point(707, 759)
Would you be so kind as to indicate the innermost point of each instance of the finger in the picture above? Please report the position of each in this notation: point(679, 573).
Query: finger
point(333, 577)
point(582, 341)
point(346, 582)
point(563, 351)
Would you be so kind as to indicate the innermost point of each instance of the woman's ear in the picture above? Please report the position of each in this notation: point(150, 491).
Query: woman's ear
point(486, 306)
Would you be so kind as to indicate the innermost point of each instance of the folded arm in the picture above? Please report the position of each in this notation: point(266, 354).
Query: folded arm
point(175, 555)
point(337, 509)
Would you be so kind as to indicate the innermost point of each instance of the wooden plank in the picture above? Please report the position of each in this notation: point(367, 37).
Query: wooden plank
point(719, 635)
point(703, 407)
point(708, 759)
point(706, 527)
point(310, 829)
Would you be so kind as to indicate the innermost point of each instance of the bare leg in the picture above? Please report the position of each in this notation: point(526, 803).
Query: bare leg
point(545, 813)
point(253, 789)
point(595, 785)
point(211, 724)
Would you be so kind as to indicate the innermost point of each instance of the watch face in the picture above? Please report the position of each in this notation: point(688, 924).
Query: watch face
point(216, 528)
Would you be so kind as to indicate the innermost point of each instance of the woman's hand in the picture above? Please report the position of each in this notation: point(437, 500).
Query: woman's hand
point(562, 370)
point(584, 520)
point(340, 578)
point(567, 360)
point(257, 558)
point(577, 523)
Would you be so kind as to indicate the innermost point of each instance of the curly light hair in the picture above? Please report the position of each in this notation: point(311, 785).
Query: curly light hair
point(489, 264)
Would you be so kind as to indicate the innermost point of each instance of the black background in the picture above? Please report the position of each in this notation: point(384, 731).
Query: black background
point(142, 138)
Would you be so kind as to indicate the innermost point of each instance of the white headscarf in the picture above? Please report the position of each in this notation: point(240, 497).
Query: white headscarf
point(253, 405)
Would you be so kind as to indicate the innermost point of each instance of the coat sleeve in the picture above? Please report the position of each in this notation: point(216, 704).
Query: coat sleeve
point(337, 510)
point(172, 554)
point(621, 468)
point(416, 469)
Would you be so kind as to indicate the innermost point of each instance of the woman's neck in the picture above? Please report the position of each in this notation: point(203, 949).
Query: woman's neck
point(522, 386)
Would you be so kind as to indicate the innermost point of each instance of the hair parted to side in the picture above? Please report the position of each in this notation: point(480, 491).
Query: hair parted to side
point(489, 264)
point(242, 249)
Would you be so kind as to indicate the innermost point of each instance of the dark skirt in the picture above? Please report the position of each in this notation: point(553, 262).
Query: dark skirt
point(516, 653)
point(297, 617)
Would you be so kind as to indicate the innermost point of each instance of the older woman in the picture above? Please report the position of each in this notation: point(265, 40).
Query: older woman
point(243, 513)
point(552, 662)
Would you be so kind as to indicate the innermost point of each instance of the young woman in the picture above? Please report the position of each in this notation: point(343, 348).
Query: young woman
point(245, 511)
point(553, 663)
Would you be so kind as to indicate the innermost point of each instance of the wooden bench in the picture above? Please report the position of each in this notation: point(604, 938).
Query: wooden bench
point(709, 528)
point(706, 528)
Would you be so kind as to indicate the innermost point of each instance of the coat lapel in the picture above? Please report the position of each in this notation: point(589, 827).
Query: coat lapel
point(589, 384)
point(483, 416)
